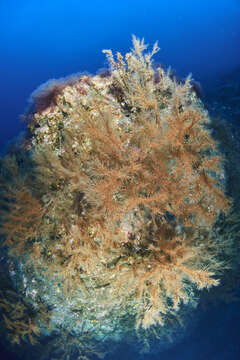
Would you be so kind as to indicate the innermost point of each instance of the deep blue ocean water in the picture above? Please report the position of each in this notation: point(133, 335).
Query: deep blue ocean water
point(41, 39)
point(45, 39)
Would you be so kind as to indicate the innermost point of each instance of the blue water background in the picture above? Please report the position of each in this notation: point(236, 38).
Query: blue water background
point(44, 39)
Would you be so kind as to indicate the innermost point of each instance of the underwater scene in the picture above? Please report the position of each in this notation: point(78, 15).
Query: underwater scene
point(119, 180)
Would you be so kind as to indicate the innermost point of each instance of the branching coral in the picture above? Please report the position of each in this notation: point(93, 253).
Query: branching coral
point(20, 319)
point(128, 188)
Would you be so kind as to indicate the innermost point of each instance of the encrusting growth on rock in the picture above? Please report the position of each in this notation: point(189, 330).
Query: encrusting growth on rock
point(127, 184)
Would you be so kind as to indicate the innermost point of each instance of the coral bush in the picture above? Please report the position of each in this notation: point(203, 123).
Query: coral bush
point(115, 203)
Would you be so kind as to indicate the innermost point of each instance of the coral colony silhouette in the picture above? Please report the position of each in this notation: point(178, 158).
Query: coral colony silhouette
point(109, 209)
